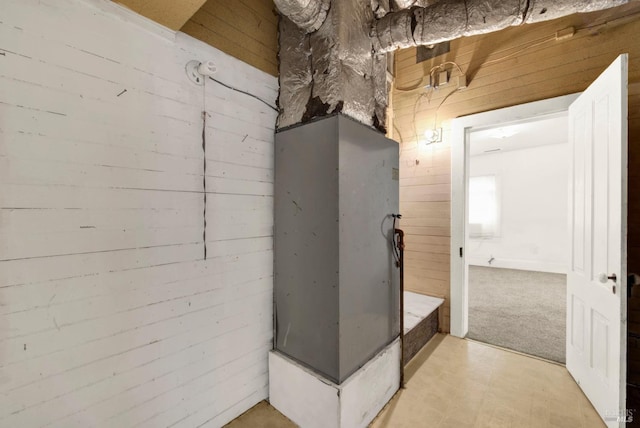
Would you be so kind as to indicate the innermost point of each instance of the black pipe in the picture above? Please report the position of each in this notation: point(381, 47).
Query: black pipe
point(400, 244)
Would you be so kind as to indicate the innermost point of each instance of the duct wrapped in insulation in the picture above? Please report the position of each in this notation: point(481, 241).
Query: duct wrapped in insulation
point(306, 14)
point(451, 19)
point(346, 77)
point(406, 4)
point(295, 72)
point(332, 51)
point(545, 10)
point(394, 31)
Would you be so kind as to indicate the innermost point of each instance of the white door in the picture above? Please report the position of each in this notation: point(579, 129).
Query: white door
point(596, 280)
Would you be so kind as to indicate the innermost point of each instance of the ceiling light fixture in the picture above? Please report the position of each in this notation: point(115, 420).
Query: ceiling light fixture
point(433, 136)
point(502, 133)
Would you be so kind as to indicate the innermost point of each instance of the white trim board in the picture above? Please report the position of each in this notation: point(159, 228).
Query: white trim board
point(529, 265)
point(312, 401)
point(460, 129)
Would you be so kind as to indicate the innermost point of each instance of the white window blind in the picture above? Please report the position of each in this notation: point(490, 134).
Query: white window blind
point(483, 207)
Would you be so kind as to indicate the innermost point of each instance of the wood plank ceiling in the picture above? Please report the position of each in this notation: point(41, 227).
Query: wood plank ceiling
point(244, 29)
point(170, 13)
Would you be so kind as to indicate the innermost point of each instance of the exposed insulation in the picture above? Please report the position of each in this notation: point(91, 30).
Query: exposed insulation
point(295, 73)
point(307, 14)
point(380, 7)
point(545, 10)
point(346, 76)
point(489, 16)
point(403, 4)
point(451, 19)
point(394, 31)
point(355, 59)
point(341, 66)
point(325, 68)
point(380, 91)
point(440, 22)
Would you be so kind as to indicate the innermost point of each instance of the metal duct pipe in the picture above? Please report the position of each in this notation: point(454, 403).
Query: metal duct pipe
point(406, 4)
point(306, 14)
point(383, 7)
point(380, 7)
point(451, 19)
point(403, 4)
point(295, 72)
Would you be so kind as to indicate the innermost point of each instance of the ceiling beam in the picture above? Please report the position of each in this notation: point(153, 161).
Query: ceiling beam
point(170, 13)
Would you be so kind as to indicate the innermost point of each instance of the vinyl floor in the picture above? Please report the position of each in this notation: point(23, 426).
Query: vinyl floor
point(461, 383)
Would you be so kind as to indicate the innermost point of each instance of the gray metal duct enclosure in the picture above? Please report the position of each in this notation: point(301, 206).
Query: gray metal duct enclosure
point(336, 284)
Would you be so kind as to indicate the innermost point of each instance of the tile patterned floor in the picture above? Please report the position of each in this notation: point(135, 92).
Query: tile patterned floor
point(460, 383)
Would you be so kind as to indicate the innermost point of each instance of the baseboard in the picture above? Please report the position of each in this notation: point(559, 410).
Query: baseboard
point(535, 266)
point(513, 351)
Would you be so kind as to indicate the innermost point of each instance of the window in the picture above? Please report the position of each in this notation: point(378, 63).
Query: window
point(483, 207)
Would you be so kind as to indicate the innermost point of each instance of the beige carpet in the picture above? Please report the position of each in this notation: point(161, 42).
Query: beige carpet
point(520, 310)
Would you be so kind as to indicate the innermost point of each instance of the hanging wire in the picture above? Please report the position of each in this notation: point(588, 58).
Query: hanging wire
point(415, 111)
point(395, 127)
point(523, 49)
point(429, 94)
point(246, 93)
point(204, 168)
point(435, 120)
point(420, 83)
point(395, 245)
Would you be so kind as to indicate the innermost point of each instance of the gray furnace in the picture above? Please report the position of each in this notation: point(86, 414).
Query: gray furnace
point(336, 282)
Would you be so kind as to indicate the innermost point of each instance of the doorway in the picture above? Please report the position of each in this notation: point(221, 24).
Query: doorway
point(517, 246)
point(596, 345)
point(460, 160)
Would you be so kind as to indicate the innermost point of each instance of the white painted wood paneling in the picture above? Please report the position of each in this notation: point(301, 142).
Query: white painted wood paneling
point(109, 314)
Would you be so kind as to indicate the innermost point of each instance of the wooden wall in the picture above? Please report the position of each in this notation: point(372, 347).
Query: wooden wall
point(514, 66)
point(244, 29)
point(170, 13)
point(110, 315)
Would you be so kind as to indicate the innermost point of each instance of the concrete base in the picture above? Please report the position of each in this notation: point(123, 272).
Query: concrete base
point(311, 401)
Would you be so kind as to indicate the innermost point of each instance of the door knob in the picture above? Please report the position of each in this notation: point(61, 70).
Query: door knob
point(603, 277)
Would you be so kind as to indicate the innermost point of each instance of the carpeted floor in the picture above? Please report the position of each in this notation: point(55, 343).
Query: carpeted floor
point(519, 310)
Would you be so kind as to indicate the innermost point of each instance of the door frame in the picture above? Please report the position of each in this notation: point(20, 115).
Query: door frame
point(460, 129)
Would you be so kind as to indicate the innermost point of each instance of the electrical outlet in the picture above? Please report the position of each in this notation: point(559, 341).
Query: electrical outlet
point(433, 135)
